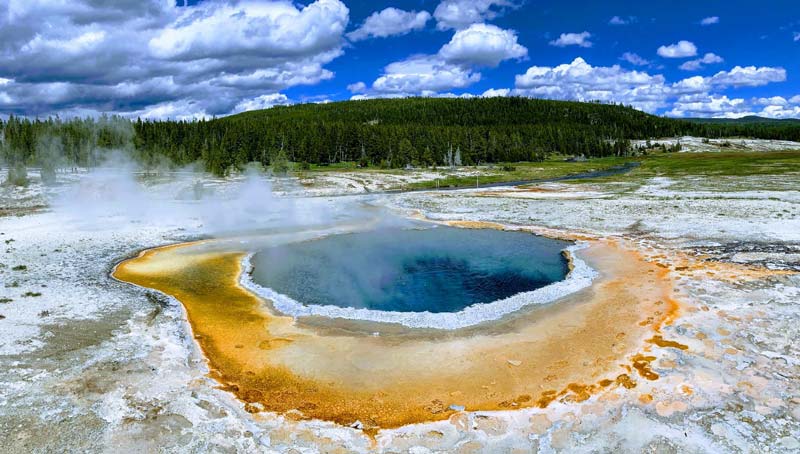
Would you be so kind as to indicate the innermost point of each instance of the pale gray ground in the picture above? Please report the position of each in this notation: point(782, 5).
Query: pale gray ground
point(95, 365)
point(697, 144)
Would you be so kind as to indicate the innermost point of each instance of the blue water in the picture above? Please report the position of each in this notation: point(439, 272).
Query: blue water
point(440, 269)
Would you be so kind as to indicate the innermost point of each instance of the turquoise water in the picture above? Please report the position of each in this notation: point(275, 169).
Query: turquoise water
point(440, 269)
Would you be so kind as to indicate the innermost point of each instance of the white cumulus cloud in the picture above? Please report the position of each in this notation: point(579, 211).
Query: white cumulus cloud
point(453, 67)
point(423, 73)
point(458, 14)
point(274, 29)
point(154, 58)
point(357, 87)
point(693, 96)
point(634, 59)
point(390, 22)
point(483, 45)
point(681, 49)
point(496, 93)
point(581, 81)
point(573, 39)
point(718, 106)
point(748, 76)
point(617, 20)
point(710, 20)
point(263, 102)
point(707, 59)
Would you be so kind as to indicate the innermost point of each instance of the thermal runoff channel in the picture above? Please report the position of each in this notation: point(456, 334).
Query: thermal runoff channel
point(440, 269)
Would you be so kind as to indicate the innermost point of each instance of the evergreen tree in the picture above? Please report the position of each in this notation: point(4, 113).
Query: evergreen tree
point(404, 153)
point(392, 132)
point(49, 155)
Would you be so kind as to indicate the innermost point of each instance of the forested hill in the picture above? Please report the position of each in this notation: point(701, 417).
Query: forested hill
point(461, 112)
point(385, 132)
point(749, 120)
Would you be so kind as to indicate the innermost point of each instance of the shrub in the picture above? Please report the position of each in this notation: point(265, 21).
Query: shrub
point(280, 163)
point(17, 176)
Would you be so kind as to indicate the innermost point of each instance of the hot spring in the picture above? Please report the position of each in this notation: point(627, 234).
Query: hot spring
point(303, 345)
point(434, 270)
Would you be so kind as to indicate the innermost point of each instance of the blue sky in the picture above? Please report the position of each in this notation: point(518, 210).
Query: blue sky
point(159, 59)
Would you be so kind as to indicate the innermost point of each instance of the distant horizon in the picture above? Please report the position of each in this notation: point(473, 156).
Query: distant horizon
point(158, 59)
point(97, 115)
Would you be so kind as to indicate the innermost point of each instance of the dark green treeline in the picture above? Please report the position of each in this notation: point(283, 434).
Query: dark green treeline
point(385, 132)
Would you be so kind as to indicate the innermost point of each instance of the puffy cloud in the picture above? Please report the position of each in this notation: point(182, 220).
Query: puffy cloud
point(583, 82)
point(775, 111)
point(271, 30)
point(692, 96)
point(692, 85)
point(390, 22)
point(797, 36)
point(181, 109)
point(434, 94)
point(278, 77)
point(634, 59)
point(748, 76)
point(710, 20)
point(779, 107)
point(737, 77)
point(453, 67)
point(42, 40)
point(423, 73)
point(708, 59)
point(710, 106)
point(772, 101)
point(71, 46)
point(617, 20)
point(483, 45)
point(496, 93)
point(573, 39)
point(681, 49)
point(358, 87)
point(263, 102)
point(581, 73)
point(86, 56)
point(459, 14)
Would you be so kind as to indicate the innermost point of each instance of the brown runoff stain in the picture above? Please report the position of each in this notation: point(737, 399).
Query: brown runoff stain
point(279, 364)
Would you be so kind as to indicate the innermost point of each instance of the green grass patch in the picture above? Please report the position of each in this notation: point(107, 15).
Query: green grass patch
point(348, 166)
point(523, 171)
point(723, 164)
point(662, 164)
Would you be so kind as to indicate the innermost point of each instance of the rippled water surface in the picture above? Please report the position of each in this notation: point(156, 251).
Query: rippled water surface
point(440, 269)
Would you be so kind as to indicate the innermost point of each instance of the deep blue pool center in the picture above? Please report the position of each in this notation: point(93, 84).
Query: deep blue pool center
point(441, 269)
